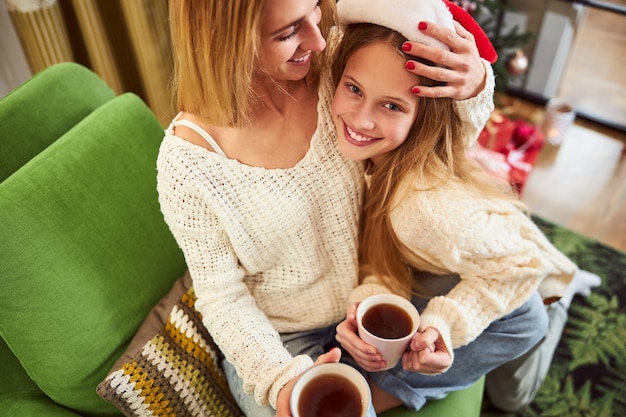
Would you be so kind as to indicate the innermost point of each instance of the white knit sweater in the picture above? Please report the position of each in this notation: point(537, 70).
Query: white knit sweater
point(501, 256)
point(270, 250)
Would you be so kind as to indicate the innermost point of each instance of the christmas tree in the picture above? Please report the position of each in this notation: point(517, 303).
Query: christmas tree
point(508, 42)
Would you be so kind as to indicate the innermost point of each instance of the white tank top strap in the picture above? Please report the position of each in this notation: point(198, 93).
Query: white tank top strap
point(191, 125)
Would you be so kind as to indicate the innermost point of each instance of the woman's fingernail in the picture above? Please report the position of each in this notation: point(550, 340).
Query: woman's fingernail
point(407, 46)
point(422, 26)
point(415, 90)
point(410, 65)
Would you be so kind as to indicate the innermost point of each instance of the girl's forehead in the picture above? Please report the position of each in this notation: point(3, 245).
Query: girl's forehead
point(380, 68)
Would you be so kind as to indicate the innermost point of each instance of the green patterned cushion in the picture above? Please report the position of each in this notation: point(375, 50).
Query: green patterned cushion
point(172, 366)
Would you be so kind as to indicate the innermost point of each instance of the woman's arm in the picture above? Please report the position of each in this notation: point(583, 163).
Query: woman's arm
point(461, 68)
point(469, 78)
point(241, 330)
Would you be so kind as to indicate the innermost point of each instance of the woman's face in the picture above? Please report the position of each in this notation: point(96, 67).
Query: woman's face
point(373, 108)
point(289, 37)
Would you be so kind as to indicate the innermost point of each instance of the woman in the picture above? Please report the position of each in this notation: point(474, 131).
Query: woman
point(255, 190)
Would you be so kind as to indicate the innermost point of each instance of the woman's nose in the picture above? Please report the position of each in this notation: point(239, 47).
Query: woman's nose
point(312, 39)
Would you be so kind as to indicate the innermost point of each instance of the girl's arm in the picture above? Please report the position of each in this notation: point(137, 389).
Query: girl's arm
point(500, 255)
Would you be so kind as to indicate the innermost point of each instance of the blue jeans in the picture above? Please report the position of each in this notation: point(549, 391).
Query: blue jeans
point(312, 343)
point(504, 340)
point(515, 384)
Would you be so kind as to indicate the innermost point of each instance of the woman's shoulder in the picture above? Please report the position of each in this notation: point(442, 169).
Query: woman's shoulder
point(181, 158)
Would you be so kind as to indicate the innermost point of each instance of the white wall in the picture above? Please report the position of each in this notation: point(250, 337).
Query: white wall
point(554, 24)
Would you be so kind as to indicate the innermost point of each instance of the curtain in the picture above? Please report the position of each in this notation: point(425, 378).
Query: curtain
point(126, 42)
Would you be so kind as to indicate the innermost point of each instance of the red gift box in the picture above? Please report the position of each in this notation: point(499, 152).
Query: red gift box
point(509, 149)
point(497, 133)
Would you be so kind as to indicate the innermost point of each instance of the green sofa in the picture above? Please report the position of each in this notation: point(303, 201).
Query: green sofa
point(85, 254)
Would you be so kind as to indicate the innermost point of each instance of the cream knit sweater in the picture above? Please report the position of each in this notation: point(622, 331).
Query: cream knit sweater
point(270, 250)
point(500, 255)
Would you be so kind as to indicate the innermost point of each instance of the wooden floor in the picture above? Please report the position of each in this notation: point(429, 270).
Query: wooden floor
point(580, 184)
point(595, 80)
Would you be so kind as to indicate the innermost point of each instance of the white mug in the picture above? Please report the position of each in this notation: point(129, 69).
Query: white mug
point(330, 389)
point(391, 349)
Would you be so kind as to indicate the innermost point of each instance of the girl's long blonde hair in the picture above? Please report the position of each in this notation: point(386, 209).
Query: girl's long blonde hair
point(433, 153)
point(215, 46)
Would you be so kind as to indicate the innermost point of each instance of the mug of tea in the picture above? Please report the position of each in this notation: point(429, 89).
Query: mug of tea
point(388, 322)
point(330, 390)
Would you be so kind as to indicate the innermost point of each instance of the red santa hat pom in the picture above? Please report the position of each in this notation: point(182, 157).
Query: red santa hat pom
point(483, 43)
point(403, 16)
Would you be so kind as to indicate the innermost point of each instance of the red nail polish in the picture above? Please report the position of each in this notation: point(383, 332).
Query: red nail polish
point(422, 26)
point(410, 65)
point(407, 46)
point(415, 90)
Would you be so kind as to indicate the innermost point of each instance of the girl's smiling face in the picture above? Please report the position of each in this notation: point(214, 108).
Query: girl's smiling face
point(373, 108)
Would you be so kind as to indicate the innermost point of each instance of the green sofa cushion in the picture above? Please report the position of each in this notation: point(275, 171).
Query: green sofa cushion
point(19, 395)
point(41, 110)
point(467, 402)
point(85, 252)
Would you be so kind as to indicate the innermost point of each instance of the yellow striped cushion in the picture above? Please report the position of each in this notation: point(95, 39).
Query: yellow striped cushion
point(172, 366)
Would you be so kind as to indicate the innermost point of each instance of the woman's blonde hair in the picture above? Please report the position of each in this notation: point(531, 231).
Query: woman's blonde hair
point(433, 153)
point(215, 46)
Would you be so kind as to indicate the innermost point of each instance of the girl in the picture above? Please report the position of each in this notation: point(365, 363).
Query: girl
point(434, 225)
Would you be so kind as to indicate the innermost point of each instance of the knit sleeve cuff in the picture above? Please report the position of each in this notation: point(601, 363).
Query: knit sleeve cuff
point(299, 364)
point(475, 111)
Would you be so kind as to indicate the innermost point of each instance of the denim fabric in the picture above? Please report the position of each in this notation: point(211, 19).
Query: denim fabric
point(515, 384)
point(504, 340)
point(312, 343)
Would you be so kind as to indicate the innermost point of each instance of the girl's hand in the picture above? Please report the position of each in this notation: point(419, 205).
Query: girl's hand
point(428, 353)
point(364, 354)
point(461, 68)
point(283, 409)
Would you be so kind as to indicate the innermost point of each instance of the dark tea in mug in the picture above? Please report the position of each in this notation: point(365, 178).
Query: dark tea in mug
point(330, 395)
point(387, 321)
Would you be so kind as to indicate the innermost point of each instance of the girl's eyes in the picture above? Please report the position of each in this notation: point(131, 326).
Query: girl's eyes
point(353, 89)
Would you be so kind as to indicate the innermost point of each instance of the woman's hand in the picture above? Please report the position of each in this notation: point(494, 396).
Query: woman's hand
point(461, 68)
point(428, 353)
point(364, 354)
point(283, 408)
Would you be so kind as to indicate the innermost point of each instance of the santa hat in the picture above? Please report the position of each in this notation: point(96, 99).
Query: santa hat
point(403, 16)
